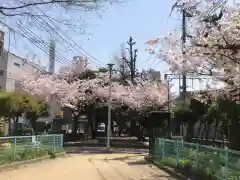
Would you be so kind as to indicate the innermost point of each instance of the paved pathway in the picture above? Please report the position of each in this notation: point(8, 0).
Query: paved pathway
point(89, 167)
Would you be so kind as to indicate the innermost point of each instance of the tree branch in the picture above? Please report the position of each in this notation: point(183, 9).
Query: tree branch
point(16, 14)
point(81, 2)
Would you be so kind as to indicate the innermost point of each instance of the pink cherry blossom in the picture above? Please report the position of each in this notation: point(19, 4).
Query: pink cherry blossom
point(212, 49)
point(81, 92)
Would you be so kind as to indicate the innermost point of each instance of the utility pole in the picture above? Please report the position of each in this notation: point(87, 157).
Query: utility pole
point(52, 54)
point(110, 67)
point(187, 13)
point(131, 62)
point(184, 35)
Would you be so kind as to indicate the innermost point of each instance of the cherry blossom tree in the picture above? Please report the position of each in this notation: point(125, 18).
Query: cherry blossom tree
point(84, 95)
point(81, 92)
point(213, 44)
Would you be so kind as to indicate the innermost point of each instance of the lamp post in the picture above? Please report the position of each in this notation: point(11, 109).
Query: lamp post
point(110, 67)
point(169, 120)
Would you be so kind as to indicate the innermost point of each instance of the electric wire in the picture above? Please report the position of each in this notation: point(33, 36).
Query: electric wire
point(79, 48)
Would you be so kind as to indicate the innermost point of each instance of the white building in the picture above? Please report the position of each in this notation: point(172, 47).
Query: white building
point(13, 66)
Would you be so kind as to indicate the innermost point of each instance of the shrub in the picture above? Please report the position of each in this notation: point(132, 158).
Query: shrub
point(169, 161)
point(31, 153)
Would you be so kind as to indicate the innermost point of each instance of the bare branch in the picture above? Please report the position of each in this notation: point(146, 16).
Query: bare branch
point(69, 2)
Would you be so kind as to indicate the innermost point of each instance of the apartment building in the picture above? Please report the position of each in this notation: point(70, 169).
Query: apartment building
point(12, 66)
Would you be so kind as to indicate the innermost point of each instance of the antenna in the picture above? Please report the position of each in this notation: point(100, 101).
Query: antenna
point(52, 53)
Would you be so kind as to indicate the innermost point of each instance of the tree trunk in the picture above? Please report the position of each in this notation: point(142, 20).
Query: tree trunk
point(75, 123)
point(215, 130)
point(133, 127)
point(10, 131)
point(203, 132)
point(235, 135)
point(207, 131)
point(119, 130)
point(199, 128)
point(190, 131)
point(93, 126)
point(15, 130)
point(33, 125)
point(222, 137)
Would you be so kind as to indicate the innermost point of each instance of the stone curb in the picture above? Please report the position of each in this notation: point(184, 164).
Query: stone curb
point(169, 170)
point(16, 165)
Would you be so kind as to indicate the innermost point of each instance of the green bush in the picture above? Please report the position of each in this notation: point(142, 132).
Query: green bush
point(30, 153)
point(185, 165)
point(7, 155)
point(169, 161)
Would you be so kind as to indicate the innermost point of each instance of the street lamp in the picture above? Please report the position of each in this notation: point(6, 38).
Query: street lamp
point(168, 94)
point(168, 88)
point(110, 67)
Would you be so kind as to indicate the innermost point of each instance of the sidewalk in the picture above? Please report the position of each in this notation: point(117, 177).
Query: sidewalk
point(90, 167)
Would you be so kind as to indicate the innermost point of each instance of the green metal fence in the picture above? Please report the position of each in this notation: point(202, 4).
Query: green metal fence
point(20, 148)
point(223, 164)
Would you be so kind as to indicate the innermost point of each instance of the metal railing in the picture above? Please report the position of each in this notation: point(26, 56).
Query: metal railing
point(222, 164)
point(20, 148)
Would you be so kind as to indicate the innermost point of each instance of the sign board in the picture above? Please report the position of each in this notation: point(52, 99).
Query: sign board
point(59, 113)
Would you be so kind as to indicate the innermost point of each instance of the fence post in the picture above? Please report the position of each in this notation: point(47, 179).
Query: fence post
point(61, 143)
point(226, 164)
point(197, 155)
point(54, 143)
point(36, 140)
point(14, 147)
point(163, 148)
point(154, 148)
point(177, 149)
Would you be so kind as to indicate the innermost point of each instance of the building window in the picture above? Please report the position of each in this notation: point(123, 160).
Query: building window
point(16, 64)
point(1, 72)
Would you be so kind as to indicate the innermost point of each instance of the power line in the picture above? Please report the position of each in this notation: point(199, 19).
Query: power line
point(28, 34)
point(25, 33)
point(39, 23)
point(34, 39)
point(37, 39)
point(81, 49)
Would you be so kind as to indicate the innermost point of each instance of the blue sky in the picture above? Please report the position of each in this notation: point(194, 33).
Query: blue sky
point(141, 19)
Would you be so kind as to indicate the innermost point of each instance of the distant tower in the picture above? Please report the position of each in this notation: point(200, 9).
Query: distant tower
point(52, 53)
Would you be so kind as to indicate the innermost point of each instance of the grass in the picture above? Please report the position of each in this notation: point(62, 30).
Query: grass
point(10, 154)
point(208, 164)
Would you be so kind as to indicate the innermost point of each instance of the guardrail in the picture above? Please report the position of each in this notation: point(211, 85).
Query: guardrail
point(223, 164)
point(20, 148)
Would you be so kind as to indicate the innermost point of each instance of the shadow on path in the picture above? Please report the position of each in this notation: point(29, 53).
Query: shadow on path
point(98, 146)
point(103, 150)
